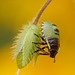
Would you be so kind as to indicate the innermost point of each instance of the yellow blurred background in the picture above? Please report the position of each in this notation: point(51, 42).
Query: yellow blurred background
point(15, 13)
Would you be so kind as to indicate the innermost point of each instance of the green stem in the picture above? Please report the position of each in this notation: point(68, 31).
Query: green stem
point(41, 11)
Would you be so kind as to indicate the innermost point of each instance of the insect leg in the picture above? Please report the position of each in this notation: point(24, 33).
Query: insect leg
point(40, 37)
point(42, 49)
point(44, 54)
point(36, 51)
point(42, 43)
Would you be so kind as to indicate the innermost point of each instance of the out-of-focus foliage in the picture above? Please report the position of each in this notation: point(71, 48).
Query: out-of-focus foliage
point(6, 34)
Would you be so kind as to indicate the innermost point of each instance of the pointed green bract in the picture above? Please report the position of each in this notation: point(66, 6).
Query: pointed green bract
point(25, 47)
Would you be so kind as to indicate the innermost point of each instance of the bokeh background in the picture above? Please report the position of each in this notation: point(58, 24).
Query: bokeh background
point(16, 13)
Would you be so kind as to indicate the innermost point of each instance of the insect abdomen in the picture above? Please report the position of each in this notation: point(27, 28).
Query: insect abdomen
point(54, 43)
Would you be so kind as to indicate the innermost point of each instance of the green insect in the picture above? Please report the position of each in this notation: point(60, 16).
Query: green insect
point(50, 36)
point(25, 48)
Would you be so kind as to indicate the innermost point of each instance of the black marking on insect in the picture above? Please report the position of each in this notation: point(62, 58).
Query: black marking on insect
point(56, 33)
point(53, 24)
point(44, 36)
point(42, 22)
point(56, 30)
point(42, 33)
point(42, 25)
point(41, 29)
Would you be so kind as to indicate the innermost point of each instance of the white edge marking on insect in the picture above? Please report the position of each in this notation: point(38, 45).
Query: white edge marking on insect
point(42, 24)
point(48, 43)
point(59, 49)
point(41, 27)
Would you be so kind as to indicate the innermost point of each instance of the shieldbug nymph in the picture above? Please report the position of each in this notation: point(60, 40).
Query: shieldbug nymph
point(50, 36)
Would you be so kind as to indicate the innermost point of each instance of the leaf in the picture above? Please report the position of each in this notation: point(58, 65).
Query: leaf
point(25, 47)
